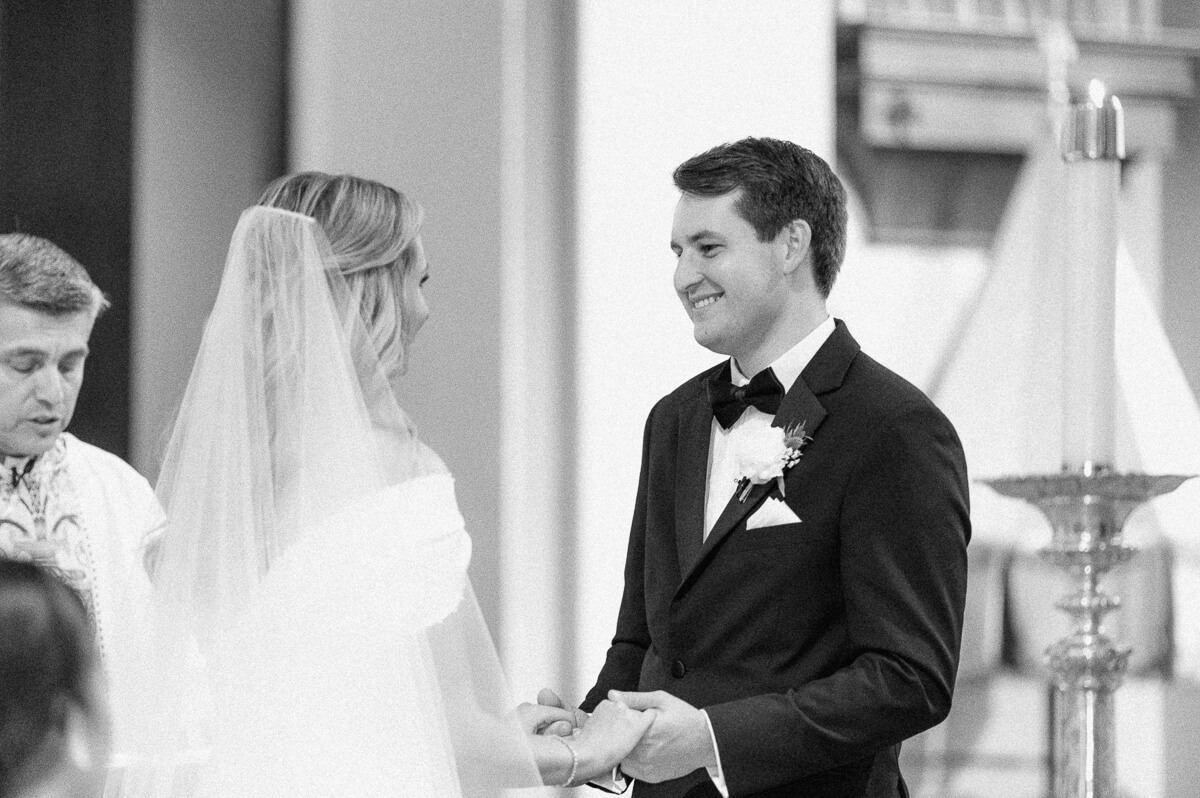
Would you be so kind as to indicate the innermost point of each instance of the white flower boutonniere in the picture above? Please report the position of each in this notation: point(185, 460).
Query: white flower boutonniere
point(767, 454)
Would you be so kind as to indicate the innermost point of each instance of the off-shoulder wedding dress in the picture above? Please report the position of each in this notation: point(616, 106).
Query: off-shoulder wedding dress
point(314, 631)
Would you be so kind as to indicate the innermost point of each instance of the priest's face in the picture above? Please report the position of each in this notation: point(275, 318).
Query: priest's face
point(732, 285)
point(41, 371)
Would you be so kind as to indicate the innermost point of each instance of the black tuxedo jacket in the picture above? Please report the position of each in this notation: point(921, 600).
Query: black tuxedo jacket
point(815, 647)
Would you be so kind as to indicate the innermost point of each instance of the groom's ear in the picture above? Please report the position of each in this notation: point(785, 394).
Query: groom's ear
point(796, 240)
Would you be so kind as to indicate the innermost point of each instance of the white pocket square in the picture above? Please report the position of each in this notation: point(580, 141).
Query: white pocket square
point(772, 512)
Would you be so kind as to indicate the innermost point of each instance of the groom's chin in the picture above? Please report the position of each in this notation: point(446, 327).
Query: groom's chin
point(710, 340)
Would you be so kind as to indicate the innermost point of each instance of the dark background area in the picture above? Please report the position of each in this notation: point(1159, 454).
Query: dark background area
point(66, 70)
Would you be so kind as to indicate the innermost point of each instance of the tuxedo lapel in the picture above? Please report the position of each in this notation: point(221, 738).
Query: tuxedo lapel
point(799, 406)
point(695, 433)
point(734, 512)
point(826, 371)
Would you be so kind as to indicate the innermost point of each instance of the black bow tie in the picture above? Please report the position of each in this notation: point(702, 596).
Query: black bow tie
point(763, 392)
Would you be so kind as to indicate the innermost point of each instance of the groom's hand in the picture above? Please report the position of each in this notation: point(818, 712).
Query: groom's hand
point(563, 728)
point(677, 742)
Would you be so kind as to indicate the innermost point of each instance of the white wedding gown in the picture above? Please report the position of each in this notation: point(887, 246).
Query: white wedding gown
point(314, 633)
point(335, 644)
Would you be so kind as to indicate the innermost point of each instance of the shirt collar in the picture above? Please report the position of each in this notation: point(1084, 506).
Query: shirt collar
point(19, 463)
point(37, 462)
point(787, 367)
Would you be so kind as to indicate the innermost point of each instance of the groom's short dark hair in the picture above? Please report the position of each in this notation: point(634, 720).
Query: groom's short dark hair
point(780, 182)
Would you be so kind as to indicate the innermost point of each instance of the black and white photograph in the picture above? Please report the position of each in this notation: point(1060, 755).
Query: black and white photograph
point(660, 398)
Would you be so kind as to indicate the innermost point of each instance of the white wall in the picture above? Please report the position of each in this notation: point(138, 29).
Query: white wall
point(660, 81)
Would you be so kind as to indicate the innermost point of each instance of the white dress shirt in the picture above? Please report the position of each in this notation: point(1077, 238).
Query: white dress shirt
point(722, 462)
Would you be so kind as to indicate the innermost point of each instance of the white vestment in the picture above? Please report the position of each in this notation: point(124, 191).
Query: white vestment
point(86, 515)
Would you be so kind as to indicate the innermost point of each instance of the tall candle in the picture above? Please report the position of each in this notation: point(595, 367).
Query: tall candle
point(1093, 145)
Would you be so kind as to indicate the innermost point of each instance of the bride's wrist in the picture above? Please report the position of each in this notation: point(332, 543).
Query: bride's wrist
point(571, 768)
point(592, 758)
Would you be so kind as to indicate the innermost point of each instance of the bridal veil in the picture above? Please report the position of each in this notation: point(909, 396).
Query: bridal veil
point(313, 632)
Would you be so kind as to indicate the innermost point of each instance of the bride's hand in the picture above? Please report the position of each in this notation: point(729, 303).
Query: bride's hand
point(538, 719)
point(611, 732)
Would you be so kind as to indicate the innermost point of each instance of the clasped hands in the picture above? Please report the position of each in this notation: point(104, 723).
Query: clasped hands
point(653, 736)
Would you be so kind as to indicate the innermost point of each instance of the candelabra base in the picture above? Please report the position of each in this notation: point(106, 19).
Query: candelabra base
point(1083, 754)
point(1087, 512)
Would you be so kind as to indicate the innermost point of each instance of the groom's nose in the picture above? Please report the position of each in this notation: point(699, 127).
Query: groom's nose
point(686, 274)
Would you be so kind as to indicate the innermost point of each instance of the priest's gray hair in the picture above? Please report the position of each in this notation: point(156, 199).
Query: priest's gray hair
point(35, 273)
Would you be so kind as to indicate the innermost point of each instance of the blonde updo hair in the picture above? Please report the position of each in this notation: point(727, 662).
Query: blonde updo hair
point(371, 229)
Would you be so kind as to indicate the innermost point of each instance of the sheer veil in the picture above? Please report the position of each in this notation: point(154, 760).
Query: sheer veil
point(314, 631)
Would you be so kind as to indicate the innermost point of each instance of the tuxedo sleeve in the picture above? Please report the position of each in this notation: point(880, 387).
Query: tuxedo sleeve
point(623, 663)
point(902, 534)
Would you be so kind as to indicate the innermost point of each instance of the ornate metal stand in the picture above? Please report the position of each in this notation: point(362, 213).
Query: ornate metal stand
point(1087, 512)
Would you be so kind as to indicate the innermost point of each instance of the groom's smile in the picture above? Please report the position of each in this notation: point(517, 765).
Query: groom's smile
point(728, 280)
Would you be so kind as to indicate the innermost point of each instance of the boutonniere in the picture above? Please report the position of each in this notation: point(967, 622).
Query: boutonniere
point(766, 454)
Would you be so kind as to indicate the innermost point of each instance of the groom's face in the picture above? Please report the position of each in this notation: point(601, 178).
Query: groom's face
point(731, 283)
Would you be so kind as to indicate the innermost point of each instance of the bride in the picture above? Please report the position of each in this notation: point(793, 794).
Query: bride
point(314, 631)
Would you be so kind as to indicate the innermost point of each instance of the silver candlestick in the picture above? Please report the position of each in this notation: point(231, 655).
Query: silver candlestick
point(1087, 511)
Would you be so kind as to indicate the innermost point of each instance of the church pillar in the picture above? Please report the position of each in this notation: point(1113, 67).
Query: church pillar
point(538, 307)
point(466, 106)
point(207, 136)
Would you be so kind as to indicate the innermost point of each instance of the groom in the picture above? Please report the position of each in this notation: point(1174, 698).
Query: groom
point(791, 629)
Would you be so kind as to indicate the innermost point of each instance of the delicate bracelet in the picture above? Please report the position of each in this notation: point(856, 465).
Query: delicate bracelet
point(574, 760)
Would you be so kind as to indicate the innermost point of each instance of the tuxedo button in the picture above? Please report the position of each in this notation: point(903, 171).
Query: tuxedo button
point(678, 669)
